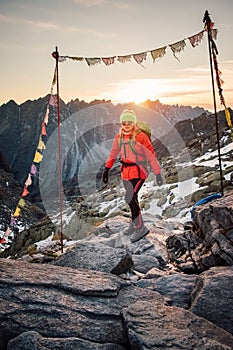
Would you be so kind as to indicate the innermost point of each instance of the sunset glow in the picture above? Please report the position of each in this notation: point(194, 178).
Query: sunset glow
point(195, 88)
point(31, 30)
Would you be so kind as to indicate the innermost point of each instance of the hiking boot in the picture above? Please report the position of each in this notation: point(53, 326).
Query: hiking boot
point(139, 233)
point(130, 230)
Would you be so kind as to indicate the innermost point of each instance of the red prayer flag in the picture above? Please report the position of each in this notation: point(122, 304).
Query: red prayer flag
point(25, 192)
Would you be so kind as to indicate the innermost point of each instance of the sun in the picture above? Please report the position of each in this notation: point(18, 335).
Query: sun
point(136, 90)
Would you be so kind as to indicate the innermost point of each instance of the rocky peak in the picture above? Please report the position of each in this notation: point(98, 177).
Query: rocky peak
point(198, 134)
point(20, 126)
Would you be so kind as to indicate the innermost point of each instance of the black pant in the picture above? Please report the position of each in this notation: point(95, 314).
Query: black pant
point(132, 188)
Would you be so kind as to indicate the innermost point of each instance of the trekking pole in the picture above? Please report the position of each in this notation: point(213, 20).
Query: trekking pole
point(208, 22)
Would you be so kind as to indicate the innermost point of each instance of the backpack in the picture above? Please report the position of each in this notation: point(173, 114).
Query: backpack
point(144, 127)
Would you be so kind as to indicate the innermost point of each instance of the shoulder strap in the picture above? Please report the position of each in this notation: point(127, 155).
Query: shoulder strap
point(120, 141)
point(131, 143)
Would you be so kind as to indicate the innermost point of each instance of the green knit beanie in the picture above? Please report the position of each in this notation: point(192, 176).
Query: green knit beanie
point(128, 115)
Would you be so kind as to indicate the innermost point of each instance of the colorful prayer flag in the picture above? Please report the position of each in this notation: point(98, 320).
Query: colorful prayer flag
point(21, 203)
point(76, 58)
point(53, 101)
point(158, 53)
point(25, 192)
point(140, 57)
point(124, 59)
point(43, 129)
point(33, 170)
point(93, 61)
point(228, 117)
point(108, 60)
point(177, 47)
point(196, 39)
point(41, 144)
point(38, 157)
point(28, 182)
point(17, 212)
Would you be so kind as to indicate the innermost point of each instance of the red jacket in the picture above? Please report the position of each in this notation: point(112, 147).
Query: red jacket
point(133, 160)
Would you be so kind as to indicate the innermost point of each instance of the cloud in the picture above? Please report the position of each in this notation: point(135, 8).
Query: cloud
point(185, 92)
point(6, 19)
point(196, 70)
point(41, 25)
point(89, 3)
point(95, 33)
point(21, 21)
point(48, 26)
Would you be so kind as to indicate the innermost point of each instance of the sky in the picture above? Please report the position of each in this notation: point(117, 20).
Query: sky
point(30, 30)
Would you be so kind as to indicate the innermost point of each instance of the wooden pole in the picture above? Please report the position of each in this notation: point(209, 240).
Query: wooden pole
point(207, 22)
point(56, 56)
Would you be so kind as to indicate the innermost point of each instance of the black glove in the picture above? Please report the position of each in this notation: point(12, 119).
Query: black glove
point(159, 179)
point(105, 175)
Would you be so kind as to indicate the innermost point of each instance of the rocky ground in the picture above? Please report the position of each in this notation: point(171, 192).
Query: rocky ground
point(170, 290)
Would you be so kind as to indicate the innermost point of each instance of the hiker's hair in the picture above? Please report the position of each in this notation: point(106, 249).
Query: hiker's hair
point(134, 132)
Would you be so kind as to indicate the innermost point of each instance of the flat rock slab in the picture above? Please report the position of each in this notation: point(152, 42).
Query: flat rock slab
point(212, 297)
point(61, 302)
point(156, 326)
point(95, 256)
point(34, 341)
point(84, 282)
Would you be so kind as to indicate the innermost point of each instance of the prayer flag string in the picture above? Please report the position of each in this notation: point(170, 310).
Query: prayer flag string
point(219, 80)
point(156, 54)
point(33, 174)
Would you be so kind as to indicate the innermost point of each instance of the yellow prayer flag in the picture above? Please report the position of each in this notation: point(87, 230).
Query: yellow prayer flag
point(158, 53)
point(17, 212)
point(41, 145)
point(38, 157)
point(76, 58)
point(228, 117)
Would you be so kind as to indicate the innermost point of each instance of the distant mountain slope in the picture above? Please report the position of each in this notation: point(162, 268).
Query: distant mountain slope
point(20, 126)
point(174, 113)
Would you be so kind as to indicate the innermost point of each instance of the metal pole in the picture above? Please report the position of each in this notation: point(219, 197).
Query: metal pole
point(207, 21)
point(59, 149)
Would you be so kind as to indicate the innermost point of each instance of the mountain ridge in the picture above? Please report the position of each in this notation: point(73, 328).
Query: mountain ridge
point(20, 125)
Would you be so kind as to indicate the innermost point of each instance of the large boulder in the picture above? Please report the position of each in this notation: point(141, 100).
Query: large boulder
point(156, 326)
point(176, 287)
point(212, 297)
point(96, 256)
point(209, 240)
point(60, 302)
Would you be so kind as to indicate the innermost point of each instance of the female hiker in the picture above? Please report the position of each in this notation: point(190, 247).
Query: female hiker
point(135, 150)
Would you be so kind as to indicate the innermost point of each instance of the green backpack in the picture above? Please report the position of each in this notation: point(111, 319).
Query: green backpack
point(144, 127)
